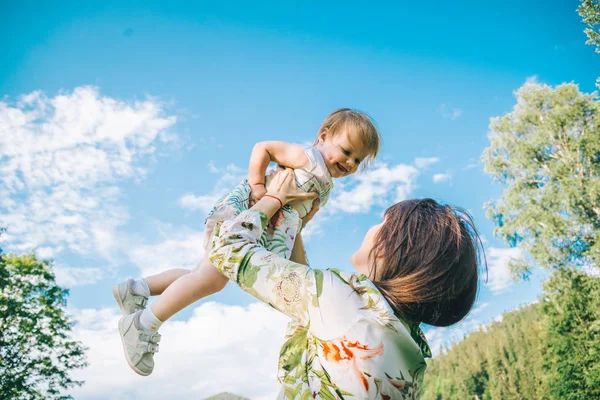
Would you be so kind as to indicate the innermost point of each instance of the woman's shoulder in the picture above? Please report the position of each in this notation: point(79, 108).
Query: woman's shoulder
point(354, 298)
point(341, 295)
point(357, 282)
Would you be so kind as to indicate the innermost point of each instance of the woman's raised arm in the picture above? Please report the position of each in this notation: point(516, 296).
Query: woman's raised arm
point(287, 286)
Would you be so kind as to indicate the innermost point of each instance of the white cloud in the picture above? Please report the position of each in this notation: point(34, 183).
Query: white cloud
point(314, 226)
point(449, 113)
point(61, 159)
point(182, 248)
point(437, 178)
point(424, 162)
point(440, 339)
point(202, 203)
point(230, 177)
point(220, 348)
point(69, 276)
point(382, 185)
point(499, 278)
point(231, 169)
point(479, 308)
point(45, 252)
point(473, 162)
point(532, 79)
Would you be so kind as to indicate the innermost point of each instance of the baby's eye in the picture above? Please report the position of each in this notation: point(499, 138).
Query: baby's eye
point(346, 152)
point(357, 161)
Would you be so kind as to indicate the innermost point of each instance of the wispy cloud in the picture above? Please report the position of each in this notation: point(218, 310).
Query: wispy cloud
point(441, 338)
point(70, 276)
point(230, 177)
point(179, 248)
point(449, 112)
point(380, 186)
point(532, 79)
point(437, 178)
point(499, 277)
point(61, 160)
point(479, 308)
point(424, 162)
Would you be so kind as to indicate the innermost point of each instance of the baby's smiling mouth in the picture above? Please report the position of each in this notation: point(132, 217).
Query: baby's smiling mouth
point(340, 168)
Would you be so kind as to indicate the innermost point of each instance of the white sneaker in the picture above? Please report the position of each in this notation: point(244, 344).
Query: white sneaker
point(139, 346)
point(129, 302)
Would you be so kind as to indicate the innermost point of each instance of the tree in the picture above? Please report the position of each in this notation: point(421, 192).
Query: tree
point(571, 312)
point(503, 360)
point(36, 351)
point(547, 154)
point(590, 14)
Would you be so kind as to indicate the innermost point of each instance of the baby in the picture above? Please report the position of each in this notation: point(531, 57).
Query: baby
point(345, 140)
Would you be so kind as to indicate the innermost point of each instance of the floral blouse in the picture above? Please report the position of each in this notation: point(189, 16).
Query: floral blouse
point(343, 341)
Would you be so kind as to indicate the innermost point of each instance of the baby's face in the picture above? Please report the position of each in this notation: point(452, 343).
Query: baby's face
point(342, 153)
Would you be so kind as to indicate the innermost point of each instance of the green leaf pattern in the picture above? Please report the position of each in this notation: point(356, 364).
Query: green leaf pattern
point(281, 231)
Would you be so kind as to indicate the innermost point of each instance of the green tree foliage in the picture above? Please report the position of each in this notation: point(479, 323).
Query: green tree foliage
point(500, 361)
point(571, 313)
point(590, 15)
point(36, 351)
point(547, 350)
point(547, 154)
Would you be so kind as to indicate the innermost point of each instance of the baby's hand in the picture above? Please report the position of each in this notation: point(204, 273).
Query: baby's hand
point(257, 192)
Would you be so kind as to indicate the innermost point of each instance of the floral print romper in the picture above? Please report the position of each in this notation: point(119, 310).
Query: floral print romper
point(283, 228)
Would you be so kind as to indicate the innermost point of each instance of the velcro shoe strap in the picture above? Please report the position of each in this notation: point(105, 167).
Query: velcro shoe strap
point(152, 348)
point(149, 337)
point(140, 301)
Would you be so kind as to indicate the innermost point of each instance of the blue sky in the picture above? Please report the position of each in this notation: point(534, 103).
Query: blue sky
point(208, 81)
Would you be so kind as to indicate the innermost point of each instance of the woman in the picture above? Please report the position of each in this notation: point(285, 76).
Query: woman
point(357, 335)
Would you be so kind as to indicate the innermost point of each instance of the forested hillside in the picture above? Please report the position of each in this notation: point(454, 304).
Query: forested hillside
point(546, 350)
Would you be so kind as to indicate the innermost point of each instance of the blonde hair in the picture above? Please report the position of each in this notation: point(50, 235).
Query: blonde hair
point(357, 122)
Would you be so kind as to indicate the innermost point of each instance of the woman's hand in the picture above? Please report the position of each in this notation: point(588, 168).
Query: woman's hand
point(283, 186)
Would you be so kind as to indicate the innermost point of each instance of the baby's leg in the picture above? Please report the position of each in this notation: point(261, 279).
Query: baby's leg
point(132, 295)
point(159, 282)
point(187, 289)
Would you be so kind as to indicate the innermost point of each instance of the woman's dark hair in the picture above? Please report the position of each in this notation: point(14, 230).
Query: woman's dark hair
point(428, 261)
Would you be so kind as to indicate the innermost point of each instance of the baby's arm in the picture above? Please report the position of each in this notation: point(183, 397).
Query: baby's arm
point(285, 154)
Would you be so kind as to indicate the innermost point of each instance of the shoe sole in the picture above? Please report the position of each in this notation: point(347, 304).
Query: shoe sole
point(115, 292)
point(137, 371)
